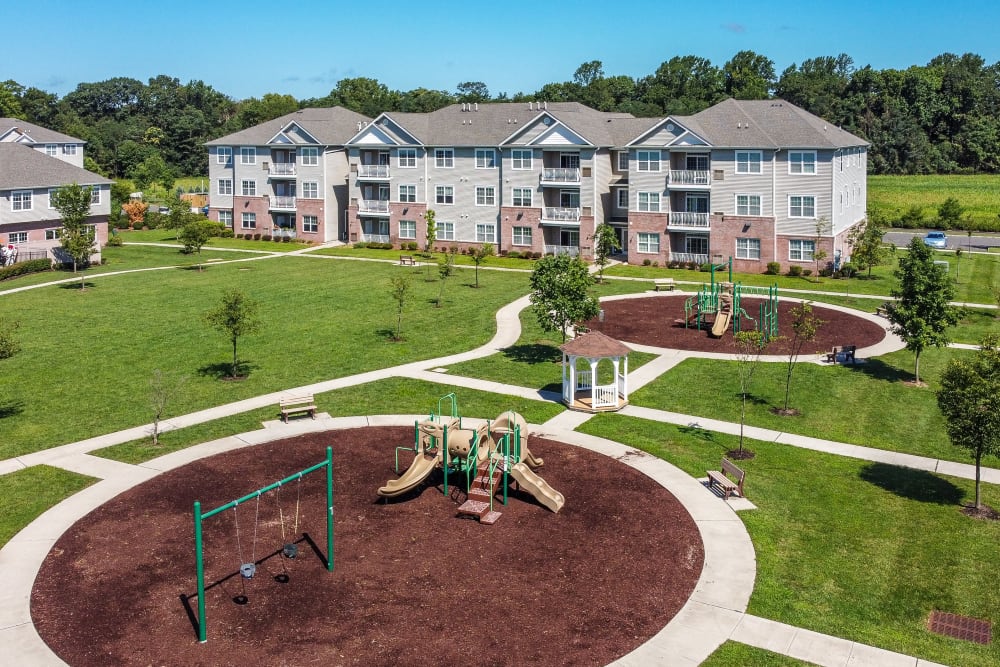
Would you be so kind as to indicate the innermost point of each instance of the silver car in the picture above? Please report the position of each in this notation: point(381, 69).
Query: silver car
point(936, 240)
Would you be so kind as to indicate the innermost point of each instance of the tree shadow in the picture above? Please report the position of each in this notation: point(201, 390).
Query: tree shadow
point(695, 431)
point(390, 335)
point(223, 370)
point(534, 353)
point(912, 484)
point(75, 285)
point(879, 370)
point(11, 409)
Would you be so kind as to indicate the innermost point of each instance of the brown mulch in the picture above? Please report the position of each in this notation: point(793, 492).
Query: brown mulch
point(412, 583)
point(984, 512)
point(651, 321)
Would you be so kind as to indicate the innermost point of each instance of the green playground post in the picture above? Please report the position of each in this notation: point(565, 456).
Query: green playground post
point(329, 509)
point(202, 630)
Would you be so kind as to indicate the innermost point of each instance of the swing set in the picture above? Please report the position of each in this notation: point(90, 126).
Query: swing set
point(289, 549)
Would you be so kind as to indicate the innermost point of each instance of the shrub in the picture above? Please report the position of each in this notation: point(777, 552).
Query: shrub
point(24, 268)
point(360, 244)
point(536, 255)
point(773, 268)
point(826, 272)
point(286, 239)
point(226, 233)
point(256, 236)
point(453, 249)
point(807, 272)
point(412, 245)
point(513, 254)
point(647, 262)
point(705, 268)
point(795, 270)
point(848, 270)
point(693, 266)
point(116, 241)
point(913, 218)
point(265, 237)
point(655, 263)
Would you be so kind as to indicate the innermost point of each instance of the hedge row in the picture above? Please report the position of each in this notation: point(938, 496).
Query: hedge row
point(24, 268)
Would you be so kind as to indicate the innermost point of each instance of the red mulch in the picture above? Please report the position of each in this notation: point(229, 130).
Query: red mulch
point(412, 583)
point(651, 321)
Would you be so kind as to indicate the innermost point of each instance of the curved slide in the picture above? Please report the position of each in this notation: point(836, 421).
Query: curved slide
point(538, 487)
point(721, 323)
point(414, 476)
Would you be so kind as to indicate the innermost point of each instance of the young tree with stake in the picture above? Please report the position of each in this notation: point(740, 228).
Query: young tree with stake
point(76, 238)
point(236, 317)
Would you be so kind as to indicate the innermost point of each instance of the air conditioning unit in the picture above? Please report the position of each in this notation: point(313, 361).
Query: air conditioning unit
point(265, 165)
point(718, 175)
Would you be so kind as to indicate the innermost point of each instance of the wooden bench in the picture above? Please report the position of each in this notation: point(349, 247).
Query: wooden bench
point(846, 350)
point(406, 260)
point(665, 284)
point(721, 477)
point(296, 405)
point(883, 310)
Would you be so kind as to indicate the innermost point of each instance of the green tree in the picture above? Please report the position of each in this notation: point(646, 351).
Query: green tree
point(9, 345)
point(472, 91)
point(950, 214)
point(921, 314)
point(76, 237)
point(969, 399)
point(804, 328)
point(196, 234)
point(560, 293)
point(822, 229)
point(605, 243)
point(178, 215)
point(161, 391)
point(431, 234)
point(400, 291)
point(749, 346)
point(867, 250)
point(235, 317)
point(749, 76)
point(479, 256)
point(446, 267)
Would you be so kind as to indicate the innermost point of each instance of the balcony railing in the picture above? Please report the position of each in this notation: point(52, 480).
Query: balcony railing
point(688, 220)
point(373, 171)
point(697, 258)
point(561, 214)
point(687, 177)
point(570, 250)
point(375, 238)
point(560, 176)
point(286, 169)
point(282, 203)
point(373, 206)
point(282, 232)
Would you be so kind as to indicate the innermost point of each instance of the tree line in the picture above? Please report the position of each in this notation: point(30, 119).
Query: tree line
point(942, 117)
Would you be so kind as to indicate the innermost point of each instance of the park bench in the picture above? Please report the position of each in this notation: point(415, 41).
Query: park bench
point(883, 310)
point(406, 260)
point(665, 284)
point(721, 477)
point(846, 350)
point(296, 405)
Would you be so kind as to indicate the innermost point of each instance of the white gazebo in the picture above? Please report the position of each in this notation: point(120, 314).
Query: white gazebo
point(580, 388)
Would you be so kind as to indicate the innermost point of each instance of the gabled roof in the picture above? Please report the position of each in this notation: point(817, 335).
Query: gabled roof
point(24, 167)
point(331, 126)
point(15, 128)
point(595, 344)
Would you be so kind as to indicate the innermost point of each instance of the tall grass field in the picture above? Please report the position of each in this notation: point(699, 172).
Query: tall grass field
point(979, 194)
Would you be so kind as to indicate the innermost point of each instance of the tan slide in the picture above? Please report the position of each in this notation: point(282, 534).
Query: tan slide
point(721, 323)
point(415, 475)
point(538, 487)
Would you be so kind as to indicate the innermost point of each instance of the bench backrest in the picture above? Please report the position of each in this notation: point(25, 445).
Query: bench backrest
point(730, 469)
point(296, 400)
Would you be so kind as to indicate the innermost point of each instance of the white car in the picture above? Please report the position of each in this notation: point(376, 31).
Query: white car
point(936, 240)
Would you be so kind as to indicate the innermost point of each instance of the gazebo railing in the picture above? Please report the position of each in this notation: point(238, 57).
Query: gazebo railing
point(584, 380)
point(605, 396)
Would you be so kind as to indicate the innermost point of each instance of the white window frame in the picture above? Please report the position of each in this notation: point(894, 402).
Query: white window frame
point(406, 158)
point(520, 236)
point(51, 149)
point(749, 162)
point(407, 229)
point(521, 159)
point(22, 200)
point(486, 232)
point(442, 192)
point(517, 197)
point(747, 208)
point(648, 202)
point(486, 195)
point(17, 238)
point(407, 193)
point(486, 158)
point(648, 243)
point(226, 218)
point(225, 187)
point(645, 161)
point(69, 149)
point(802, 162)
point(248, 155)
point(622, 160)
point(248, 220)
point(52, 191)
point(309, 156)
point(310, 224)
point(797, 209)
point(95, 195)
point(52, 234)
point(248, 187)
point(224, 155)
point(444, 158)
point(622, 198)
point(747, 248)
point(444, 231)
point(310, 185)
point(801, 250)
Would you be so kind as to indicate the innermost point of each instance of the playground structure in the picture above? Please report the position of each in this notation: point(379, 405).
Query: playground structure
point(484, 466)
point(720, 304)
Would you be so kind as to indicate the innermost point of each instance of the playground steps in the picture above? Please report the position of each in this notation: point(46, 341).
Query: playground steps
point(478, 503)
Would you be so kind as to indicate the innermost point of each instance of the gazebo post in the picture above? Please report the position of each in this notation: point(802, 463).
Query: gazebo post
point(593, 381)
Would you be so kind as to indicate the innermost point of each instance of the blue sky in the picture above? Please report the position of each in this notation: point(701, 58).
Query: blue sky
point(303, 48)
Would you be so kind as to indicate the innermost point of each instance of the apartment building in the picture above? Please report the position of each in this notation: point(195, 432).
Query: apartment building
point(34, 162)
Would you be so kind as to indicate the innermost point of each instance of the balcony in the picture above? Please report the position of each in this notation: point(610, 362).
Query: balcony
point(281, 203)
point(373, 172)
point(689, 257)
point(373, 238)
point(376, 207)
point(683, 220)
point(690, 180)
point(560, 176)
point(561, 215)
point(570, 250)
point(283, 232)
point(281, 170)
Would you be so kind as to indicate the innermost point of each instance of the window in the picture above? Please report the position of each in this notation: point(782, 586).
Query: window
point(747, 204)
point(486, 195)
point(648, 243)
point(748, 162)
point(408, 193)
point(51, 234)
point(521, 197)
point(444, 194)
point(20, 200)
point(407, 158)
point(226, 218)
point(623, 161)
point(648, 160)
point(445, 231)
point(747, 248)
point(407, 229)
point(224, 155)
point(310, 190)
point(248, 155)
point(310, 224)
point(486, 233)
point(17, 237)
point(249, 188)
point(802, 162)
point(225, 186)
point(51, 150)
point(801, 251)
point(649, 201)
point(486, 158)
point(801, 206)
point(444, 158)
point(623, 198)
point(69, 149)
point(309, 156)
point(95, 195)
point(249, 221)
point(520, 159)
point(522, 236)
point(53, 191)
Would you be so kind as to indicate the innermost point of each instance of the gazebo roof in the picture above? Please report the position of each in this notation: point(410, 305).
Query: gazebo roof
point(594, 344)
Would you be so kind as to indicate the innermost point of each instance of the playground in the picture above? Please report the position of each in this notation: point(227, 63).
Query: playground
point(411, 580)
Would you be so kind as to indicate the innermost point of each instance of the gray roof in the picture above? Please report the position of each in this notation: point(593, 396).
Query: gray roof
point(331, 126)
point(37, 133)
point(24, 167)
point(766, 124)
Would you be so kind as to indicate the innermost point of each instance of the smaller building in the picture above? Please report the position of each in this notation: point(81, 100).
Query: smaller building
point(581, 387)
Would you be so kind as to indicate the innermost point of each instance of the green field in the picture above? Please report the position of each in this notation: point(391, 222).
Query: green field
point(980, 194)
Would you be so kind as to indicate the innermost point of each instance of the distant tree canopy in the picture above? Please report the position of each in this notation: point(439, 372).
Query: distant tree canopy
point(942, 117)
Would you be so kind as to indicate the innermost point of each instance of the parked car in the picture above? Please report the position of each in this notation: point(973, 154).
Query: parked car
point(936, 240)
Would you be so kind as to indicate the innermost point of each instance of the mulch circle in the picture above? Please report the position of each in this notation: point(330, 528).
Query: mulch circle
point(651, 321)
point(412, 582)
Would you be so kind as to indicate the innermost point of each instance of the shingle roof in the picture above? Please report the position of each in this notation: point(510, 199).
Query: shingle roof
point(24, 167)
point(331, 126)
point(595, 344)
point(37, 133)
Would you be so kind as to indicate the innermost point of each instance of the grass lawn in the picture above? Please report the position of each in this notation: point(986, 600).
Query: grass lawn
point(393, 255)
point(979, 194)
point(170, 236)
point(734, 654)
point(850, 548)
point(28, 493)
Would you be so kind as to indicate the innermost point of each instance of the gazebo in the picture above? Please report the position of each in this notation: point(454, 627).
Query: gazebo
point(580, 388)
